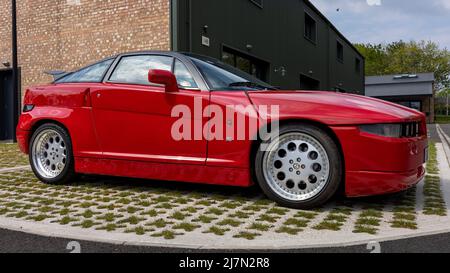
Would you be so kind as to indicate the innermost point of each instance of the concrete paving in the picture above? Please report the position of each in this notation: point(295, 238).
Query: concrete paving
point(162, 214)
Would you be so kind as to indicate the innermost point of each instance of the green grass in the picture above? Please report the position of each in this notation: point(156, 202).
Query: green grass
point(204, 219)
point(133, 220)
point(260, 227)
point(217, 230)
point(166, 234)
point(216, 211)
point(441, 119)
point(179, 215)
point(328, 225)
point(241, 215)
point(67, 220)
point(296, 222)
point(139, 230)
point(404, 224)
point(277, 211)
point(247, 235)
point(306, 215)
point(229, 222)
point(289, 230)
point(365, 229)
point(186, 227)
point(432, 164)
point(160, 223)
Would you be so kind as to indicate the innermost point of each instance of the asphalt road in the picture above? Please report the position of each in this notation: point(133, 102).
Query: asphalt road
point(446, 128)
point(432, 131)
point(18, 242)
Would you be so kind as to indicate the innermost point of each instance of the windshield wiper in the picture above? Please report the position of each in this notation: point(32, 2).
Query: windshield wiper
point(247, 84)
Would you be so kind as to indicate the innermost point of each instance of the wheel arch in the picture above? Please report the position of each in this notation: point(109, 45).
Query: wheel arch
point(256, 143)
point(41, 122)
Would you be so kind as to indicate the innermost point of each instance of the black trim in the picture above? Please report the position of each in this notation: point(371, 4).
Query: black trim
point(16, 76)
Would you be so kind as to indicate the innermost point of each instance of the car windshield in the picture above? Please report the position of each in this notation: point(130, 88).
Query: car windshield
point(220, 76)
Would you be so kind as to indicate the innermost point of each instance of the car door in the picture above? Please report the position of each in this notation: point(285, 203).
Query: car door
point(133, 117)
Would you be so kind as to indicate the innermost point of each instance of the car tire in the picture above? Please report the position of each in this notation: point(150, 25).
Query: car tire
point(51, 155)
point(301, 168)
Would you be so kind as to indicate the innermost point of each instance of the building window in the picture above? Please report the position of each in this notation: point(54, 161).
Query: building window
point(259, 3)
point(340, 52)
point(310, 28)
point(248, 64)
point(416, 105)
point(358, 65)
point(307, 83)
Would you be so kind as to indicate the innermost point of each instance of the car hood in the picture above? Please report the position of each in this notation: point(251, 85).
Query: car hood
point(334, 108)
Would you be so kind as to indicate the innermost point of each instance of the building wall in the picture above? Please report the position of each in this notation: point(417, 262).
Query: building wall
point(276, 33)
point(69, 34)
point(400, 89)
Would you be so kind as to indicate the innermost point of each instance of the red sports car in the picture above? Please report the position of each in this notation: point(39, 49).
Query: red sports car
point(127, 115)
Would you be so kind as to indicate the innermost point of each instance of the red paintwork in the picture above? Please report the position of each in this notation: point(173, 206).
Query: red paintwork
point(125, 130)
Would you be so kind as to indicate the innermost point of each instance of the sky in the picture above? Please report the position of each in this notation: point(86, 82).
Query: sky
point(384, 21)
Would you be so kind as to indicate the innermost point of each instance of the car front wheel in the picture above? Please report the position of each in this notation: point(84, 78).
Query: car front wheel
point(51, 154)
point(301, 168)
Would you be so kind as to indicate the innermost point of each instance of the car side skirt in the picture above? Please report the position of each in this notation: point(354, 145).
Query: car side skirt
point(239, 177)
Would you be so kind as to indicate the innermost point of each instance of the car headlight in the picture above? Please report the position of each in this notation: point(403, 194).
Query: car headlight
point(386, 130)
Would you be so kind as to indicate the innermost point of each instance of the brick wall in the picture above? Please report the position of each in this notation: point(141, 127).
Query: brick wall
point(68, 34)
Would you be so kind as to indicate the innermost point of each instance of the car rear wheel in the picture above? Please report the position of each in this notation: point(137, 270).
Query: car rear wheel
point(51, 154)
point(301, 168)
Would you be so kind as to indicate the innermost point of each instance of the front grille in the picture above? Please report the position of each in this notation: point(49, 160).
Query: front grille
point(411, 129)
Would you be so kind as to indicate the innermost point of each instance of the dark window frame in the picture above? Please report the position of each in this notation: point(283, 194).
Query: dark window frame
point(314, 38)
point(340, 51)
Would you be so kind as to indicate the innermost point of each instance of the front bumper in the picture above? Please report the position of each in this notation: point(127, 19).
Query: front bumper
point(361, 184)
point(377, 165)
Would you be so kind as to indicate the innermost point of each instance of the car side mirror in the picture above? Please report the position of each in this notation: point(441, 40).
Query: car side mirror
point(165, 78)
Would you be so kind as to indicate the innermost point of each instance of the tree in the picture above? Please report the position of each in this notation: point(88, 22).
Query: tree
point(445, 93)
point(408, 58)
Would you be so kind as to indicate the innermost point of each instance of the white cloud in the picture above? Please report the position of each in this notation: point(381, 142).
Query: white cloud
point(391, 21)
point(374, 2)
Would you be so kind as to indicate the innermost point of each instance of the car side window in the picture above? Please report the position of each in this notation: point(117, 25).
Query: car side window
point(93, 73)
point(184, 77)
point(134, 69)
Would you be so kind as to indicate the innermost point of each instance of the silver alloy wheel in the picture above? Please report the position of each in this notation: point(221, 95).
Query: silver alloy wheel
point(296, 167)
point(49, 153)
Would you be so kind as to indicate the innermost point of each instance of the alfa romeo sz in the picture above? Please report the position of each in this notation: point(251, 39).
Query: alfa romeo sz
point(116, 117)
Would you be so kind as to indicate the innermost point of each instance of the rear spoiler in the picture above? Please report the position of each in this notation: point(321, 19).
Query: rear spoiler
point(56, 74)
